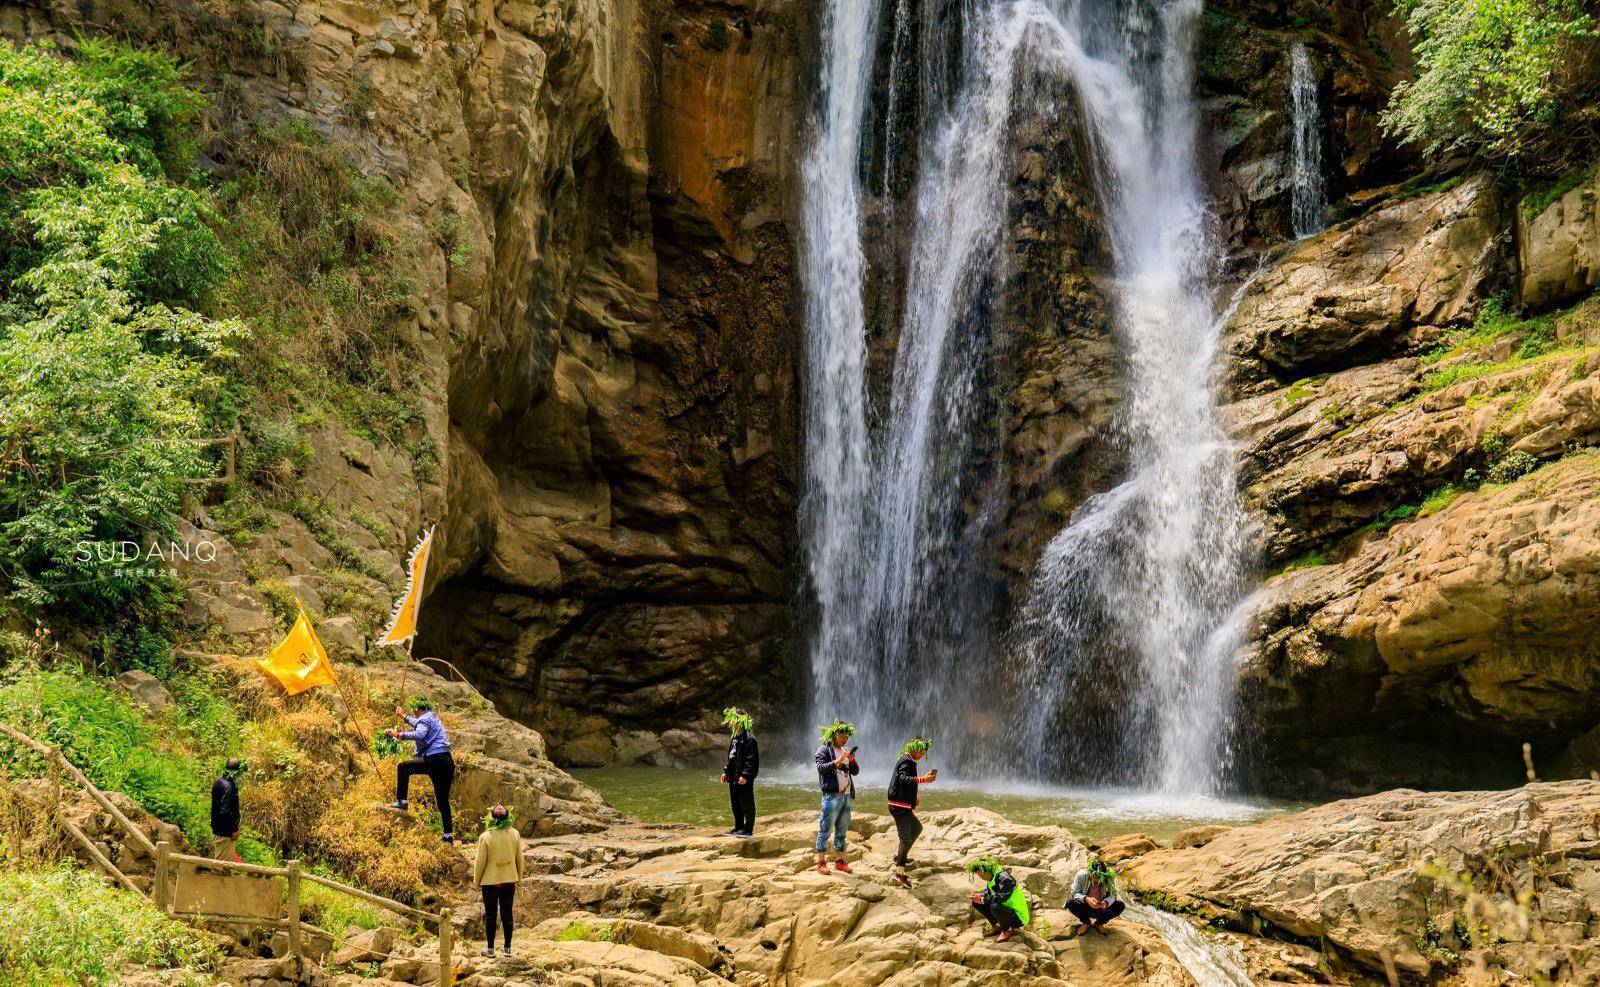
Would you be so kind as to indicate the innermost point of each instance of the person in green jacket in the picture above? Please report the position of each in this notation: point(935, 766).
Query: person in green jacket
point(1001, 901)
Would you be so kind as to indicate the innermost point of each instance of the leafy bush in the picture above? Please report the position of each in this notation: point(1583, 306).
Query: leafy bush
point(1488, 71)
point(103, 372)
point(64, 926)
point(1511, 467)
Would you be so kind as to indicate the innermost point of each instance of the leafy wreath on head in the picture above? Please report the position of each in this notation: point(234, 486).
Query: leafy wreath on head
point(491, 821)
point(1101, 871)
point(916, 745)
point(985, 864)
point(837, 726)
point(735, 716)
point(420, 704)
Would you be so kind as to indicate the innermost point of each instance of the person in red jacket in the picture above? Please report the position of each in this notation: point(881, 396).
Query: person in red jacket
point(903, 785)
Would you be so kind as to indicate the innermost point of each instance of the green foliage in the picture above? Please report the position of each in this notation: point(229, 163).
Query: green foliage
point(65, 926)
point(1310, 560)
point(1536, 339)
point(319, 270)
point(103, 370)
point(1511, 467)
point(1392, 517)
point(1439, 500)
point(716, 36)
point(1488, 71)
point(113, 743)
point(1538, 199)
point(584, 932)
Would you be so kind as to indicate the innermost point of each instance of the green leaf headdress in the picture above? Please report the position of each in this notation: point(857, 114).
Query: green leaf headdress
point(838, 726)
point(737, 718)
point(418, 704)
point(985, 864)
point(492, 821)
point(916, 745)
point(1102, 872)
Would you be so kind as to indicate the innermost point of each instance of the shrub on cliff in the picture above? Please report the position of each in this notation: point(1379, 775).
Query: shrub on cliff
point(1491, 74)
point(103, 364)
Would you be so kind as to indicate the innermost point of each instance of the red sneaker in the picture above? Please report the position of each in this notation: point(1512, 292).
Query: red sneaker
point(842, 867)
point(902, 880)
point(822, 869)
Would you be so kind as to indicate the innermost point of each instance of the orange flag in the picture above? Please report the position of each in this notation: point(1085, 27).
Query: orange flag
point(300, 662)
point(403, 624)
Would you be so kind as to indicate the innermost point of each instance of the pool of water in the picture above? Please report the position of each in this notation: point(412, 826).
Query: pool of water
point(696, 797)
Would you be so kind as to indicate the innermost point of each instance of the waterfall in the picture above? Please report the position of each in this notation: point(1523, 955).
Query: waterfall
point(835, 329)
point(1129, 628)
point(1131, 602)
point(1306, 203)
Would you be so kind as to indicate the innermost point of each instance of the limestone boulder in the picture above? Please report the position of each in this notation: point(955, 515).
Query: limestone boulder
point(684, 905)
point(146, 690)
point(1560, 246)
point(1471, 624)
point(1488, 887)
point(1375, 286)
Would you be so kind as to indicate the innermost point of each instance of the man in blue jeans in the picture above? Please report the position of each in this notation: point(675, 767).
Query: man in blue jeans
point(836, 771)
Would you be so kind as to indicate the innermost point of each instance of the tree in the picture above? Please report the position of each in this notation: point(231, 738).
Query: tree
point(1490, 73)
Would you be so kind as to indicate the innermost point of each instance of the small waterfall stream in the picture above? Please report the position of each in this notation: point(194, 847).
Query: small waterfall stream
point(1307, 204)
point(1209, 962)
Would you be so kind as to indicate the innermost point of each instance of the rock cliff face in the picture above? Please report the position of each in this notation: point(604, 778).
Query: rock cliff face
point(596, 193)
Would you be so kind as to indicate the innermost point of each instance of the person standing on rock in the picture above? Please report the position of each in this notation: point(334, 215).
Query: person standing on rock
point(1001, 901)
point(432, 759)
point(903, 786)
point(497, 872)
point(739, 774)
point(836, 771)
point(1094, 900)
point(225, 811)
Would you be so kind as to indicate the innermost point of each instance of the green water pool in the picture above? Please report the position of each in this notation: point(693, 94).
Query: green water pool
point(696, 797)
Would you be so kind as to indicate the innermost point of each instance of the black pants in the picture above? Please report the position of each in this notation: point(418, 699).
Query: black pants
point(497, 897)
point(909, 827)
point(1095, 916)
point(439, 767)
point(743, 798)
point(999, 915)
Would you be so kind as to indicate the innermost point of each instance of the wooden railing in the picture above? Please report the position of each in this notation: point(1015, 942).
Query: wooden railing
point(252, 904)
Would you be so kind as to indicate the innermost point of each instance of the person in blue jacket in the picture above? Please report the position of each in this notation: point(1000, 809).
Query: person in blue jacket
point(432, 758)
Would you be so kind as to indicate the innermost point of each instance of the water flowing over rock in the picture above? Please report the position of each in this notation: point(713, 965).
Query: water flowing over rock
point(1307, 206)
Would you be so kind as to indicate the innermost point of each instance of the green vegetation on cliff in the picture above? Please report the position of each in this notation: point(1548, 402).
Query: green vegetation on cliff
point(106, 366)
point(1491, 74)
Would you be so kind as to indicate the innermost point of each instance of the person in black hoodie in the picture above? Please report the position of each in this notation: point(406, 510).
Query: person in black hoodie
point(225, 811)
point(903, 786)
point(739, 774)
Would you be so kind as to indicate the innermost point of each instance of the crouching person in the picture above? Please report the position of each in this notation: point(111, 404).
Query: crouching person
point(1094, 900)
point(1001, 901)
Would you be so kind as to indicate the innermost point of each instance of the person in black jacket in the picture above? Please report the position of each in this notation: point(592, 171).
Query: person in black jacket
point(903, 786)
point(836, 771)
point(739, 774)
point(225, 811)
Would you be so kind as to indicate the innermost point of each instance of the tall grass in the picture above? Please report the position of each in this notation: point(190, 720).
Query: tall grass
point(63, 926)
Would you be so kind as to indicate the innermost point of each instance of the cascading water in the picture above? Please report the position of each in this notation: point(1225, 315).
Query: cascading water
point(1131, 601)
point(1129, 626)
point(835, 337)
point(1306, 205)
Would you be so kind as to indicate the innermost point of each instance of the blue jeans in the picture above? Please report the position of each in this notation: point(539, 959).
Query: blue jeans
point(835, 818)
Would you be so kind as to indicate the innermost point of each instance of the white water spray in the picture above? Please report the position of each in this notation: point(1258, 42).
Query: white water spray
point(1132, 599)
point(1306, 205)
point(835, 337)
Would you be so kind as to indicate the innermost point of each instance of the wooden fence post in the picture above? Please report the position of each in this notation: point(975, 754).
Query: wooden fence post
point(163, 887)
point(447, 969)
point(293, 867)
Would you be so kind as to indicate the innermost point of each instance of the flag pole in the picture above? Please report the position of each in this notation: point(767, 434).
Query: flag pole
point(350, 714)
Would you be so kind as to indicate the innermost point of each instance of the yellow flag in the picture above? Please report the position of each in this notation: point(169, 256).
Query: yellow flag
point(300, 662)
point(403, 624)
